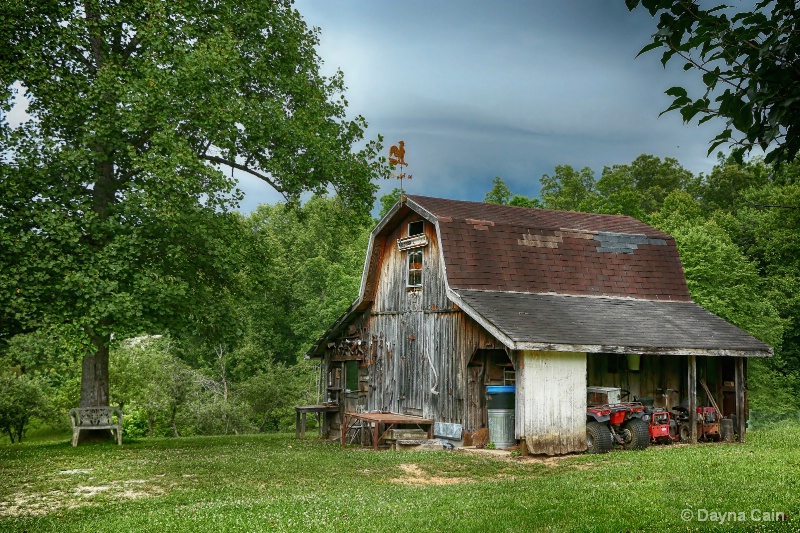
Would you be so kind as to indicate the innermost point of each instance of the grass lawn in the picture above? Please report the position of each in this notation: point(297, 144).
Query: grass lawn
point(276, 483)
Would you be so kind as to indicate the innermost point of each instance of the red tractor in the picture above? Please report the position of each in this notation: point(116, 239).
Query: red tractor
point(614, 422)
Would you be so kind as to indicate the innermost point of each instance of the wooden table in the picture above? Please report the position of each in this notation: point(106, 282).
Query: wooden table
point(302, 410)
point(388, 420)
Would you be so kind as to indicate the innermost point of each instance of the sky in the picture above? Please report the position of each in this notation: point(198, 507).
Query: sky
point(505, 88)
point(508, 88)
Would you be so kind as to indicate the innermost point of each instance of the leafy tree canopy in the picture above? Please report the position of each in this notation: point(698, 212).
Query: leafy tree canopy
point(114, 200)
point(748, 60)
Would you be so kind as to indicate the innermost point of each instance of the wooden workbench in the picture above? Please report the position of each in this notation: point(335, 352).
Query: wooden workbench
point(387, 420)
point(318, 410)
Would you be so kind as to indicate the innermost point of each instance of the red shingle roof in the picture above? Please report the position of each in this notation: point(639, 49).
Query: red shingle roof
point(517, 249)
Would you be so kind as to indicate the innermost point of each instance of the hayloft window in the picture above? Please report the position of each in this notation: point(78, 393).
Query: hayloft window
point(416, 228)
point(414, 268)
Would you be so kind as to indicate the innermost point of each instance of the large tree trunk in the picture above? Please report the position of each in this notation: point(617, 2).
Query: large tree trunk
point(94, 385)
point(94, 376)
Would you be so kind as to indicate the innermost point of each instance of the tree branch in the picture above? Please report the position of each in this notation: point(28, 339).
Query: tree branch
point(243, 168)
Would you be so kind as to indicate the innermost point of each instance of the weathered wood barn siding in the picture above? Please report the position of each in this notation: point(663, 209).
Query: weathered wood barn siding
point(419, 341)
point(551, 401)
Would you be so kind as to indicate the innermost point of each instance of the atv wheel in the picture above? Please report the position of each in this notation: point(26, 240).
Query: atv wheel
point(685, 432)
point(639, 434)
point(598, 437)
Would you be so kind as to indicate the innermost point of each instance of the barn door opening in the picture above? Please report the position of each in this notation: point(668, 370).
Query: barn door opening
point(485, 368)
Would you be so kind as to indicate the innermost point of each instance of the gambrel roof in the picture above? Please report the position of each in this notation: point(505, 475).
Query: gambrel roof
point(540, 279)
point(504, 248)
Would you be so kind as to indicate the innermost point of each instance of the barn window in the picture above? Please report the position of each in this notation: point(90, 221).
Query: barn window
point(414, 268)
point(416, 228)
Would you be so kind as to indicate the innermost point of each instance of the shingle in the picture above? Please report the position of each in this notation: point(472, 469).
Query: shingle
point(580, 320)
point(555, 250)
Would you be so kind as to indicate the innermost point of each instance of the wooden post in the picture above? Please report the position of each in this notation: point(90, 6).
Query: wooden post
point(692, 391)
point(741, 397)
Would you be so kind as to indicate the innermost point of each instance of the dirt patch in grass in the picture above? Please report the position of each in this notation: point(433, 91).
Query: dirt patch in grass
point(547, 460)
point(37, 504)
point(414, 475)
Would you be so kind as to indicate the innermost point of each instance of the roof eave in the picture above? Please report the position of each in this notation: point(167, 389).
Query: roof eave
point(513, 344)
point(641, 350)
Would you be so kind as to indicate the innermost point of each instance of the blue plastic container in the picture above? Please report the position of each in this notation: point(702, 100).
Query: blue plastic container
point(494, 389)
point(500, 396)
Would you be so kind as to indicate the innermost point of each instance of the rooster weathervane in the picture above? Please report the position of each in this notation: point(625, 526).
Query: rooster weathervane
point(397, 156)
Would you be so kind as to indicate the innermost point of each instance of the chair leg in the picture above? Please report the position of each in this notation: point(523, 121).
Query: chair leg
point(75, 433)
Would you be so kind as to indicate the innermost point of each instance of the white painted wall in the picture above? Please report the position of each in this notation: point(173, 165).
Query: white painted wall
point(551, 401)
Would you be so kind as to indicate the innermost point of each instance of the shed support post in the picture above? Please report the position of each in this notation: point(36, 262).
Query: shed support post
point(741, 397)
point(692, 391)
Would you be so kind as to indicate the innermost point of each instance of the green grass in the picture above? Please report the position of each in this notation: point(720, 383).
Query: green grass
point(275, 483)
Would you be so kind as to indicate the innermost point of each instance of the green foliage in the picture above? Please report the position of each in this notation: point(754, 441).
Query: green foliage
point(568, 189)
point(305, 269)
point(639, 188)
point(149, 380)
point(270, 395)
point(22, 397)
point(235, 370)
point(501, 194)
point(744, 57)
point(720, 276)
point(523, 201)
point(388, 200)
point(50, 357)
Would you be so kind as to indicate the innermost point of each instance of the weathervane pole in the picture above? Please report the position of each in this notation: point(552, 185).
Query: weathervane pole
point(397, 156)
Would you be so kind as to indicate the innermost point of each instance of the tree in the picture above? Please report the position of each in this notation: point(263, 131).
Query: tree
point(21, 398)
point(150, 381)
point(748, 60)
point(568, 189)
point(51, 357)
point(501, 194)
point(305, 270)
point(114, 201)
point(640, 188)
point(388, 200)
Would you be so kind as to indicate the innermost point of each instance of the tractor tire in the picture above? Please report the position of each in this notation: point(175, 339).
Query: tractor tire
point(685, 432)
point(639, 434)
point(598, 437)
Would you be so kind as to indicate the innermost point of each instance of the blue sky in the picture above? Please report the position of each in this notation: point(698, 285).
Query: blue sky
point(504, 88)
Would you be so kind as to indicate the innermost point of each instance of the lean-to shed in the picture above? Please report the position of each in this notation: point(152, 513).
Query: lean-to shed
point(457, 296)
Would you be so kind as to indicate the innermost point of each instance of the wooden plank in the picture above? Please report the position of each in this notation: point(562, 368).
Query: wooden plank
point(692, 392)
point(741, 397)
point(555, 402)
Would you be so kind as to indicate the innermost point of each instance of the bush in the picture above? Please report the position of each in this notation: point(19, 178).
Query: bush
point(21, 398)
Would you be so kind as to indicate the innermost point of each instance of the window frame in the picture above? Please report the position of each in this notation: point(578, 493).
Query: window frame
point(416, 270)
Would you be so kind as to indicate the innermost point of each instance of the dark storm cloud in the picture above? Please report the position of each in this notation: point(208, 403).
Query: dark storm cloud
point(503, 88)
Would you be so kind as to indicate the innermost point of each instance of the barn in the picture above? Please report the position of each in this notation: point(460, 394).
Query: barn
point(459, 296)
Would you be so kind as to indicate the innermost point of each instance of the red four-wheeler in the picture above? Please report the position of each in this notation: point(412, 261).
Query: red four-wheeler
point(621, 423)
